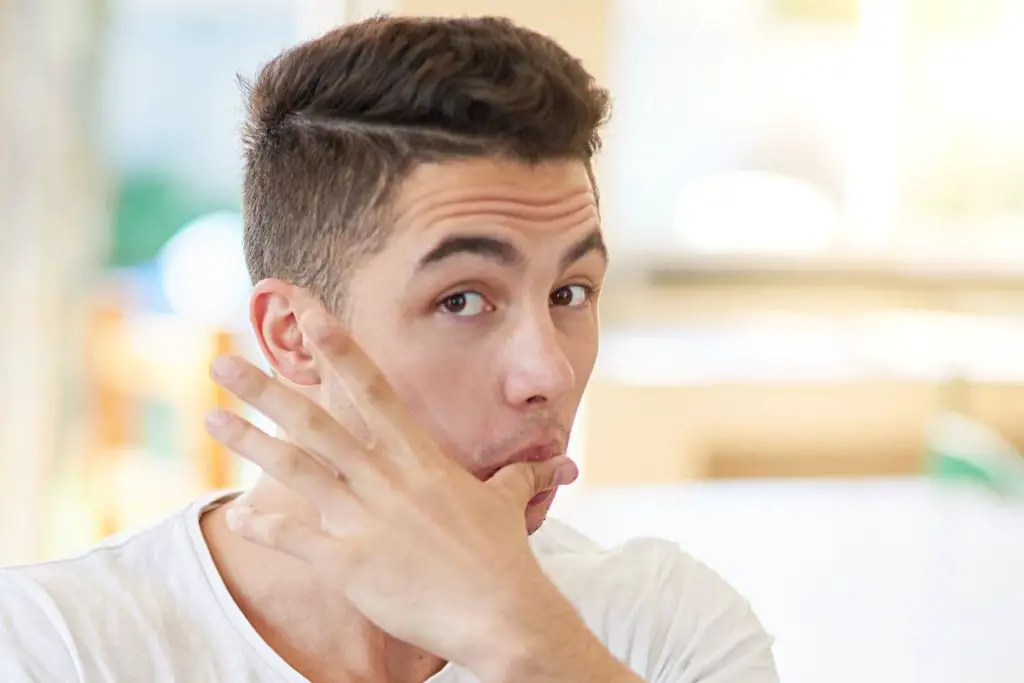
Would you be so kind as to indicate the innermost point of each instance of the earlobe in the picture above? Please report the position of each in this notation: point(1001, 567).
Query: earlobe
point(273, 312)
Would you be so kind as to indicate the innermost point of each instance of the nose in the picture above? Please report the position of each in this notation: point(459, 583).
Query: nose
point(539, 370)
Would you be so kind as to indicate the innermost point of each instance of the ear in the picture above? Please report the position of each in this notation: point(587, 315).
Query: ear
point(274, 310)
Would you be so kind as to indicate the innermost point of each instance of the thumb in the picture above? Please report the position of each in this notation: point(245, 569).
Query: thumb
point(524, 480)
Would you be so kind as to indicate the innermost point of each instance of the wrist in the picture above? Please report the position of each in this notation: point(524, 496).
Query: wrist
point(544, 640)
point(556, 657)
point(529, 622)
point(566, 657)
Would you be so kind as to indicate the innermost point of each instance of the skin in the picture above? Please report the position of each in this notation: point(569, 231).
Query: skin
point(389, 532)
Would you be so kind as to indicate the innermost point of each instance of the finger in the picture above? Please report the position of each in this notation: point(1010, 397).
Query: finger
point(337, 400)
point(524, 480)
point(285, 462)
point(305, 421)
point(338, 403)
point(356, 373)
point(282, 533)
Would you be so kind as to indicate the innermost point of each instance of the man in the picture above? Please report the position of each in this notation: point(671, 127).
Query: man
point(423, 230)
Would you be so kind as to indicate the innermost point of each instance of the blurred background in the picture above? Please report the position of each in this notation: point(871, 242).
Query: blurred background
point(812, 370)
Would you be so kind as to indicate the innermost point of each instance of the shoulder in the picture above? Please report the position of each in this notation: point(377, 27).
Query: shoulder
point(59, 619)
point(120, 565)
point(668, 615)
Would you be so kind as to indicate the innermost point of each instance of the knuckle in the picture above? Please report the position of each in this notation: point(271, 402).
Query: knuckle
point(234, 431)
point(376, 386)
point(312, 418)
point(356, 556)
point(251, 382)
point(274, 529)
point(430, 482)
point(341, 341)
point(289, 461)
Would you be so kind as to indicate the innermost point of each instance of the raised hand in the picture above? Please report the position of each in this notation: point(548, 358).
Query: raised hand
point(422, 548)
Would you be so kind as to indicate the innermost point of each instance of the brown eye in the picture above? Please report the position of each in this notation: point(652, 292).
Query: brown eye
point(571, 295)
point(463, 304)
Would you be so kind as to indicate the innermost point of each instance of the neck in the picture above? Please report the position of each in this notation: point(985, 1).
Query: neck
point(307, 621)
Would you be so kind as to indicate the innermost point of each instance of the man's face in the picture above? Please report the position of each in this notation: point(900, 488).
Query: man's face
point(481, 309)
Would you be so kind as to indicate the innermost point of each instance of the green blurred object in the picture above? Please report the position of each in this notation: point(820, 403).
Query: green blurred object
point(151, 208)
point(959, 448)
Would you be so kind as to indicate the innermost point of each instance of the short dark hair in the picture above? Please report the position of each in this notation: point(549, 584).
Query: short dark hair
point(335, 124)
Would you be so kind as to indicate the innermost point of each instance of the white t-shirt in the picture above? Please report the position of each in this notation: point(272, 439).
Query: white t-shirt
point(150, 607)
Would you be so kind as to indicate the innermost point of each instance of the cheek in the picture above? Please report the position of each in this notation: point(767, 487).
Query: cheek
point(448, 389)
point(429, 371)
point(584, 356)
point(580, 346)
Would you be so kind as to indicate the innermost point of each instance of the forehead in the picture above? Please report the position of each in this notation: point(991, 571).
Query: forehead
point(540, 199)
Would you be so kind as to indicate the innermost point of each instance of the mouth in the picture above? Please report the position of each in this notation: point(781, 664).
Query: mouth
point(535, 452)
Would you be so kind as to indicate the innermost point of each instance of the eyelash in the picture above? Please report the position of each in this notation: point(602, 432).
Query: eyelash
point(591, 292)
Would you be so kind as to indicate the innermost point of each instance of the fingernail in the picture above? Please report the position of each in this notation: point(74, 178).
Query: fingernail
point(217, 418)
point(242, 500)
point(317, 324)
point(236, 515)
point(566, 472)
point(226, 367)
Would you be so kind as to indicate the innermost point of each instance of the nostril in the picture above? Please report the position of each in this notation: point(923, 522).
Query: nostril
point(533, 400)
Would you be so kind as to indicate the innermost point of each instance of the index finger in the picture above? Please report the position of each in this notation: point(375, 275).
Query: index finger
point(370, 392)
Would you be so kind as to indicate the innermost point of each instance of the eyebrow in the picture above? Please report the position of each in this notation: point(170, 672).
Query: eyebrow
point(504, 253)
point(593, 242)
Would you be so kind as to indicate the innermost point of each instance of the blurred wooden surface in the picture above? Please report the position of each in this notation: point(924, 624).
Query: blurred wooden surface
point(646, 434)
point(789, 368)
point(141, 360)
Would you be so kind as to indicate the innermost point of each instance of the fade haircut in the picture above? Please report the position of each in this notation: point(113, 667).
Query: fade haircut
point(335, 124)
